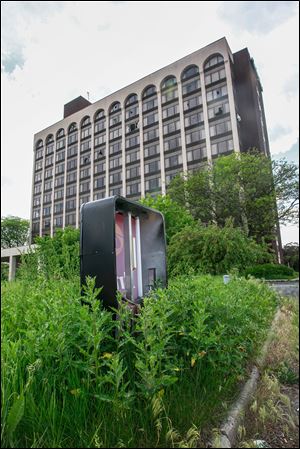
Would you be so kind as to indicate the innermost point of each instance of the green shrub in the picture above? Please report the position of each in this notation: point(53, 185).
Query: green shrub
point(270, 271)
point(4, 271)
point(73, 377)
point(213, 250)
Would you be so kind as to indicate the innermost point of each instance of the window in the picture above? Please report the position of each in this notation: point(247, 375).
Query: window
point(150, 119)
point(220, 128)
point(133, 172)
point(36, 213)
point(151, 90)
point(196, 154)
point(150, 104)
point(46, 211)
point(100, 140)
point(222, 147)
point(85, 146)
point(215, 76)
point(218, 110)
point(49, 149)
point(37, 201)
point(132, 157)
point(59, 168)
point(48, 173)
point(115, 133)
point(134, 126)
point(99, 153)
point(84, 187)
point(193, 119)
point(100, 126)
point(115, 107)
point(70, 219)
point(48, 185)
point(83, 199)
point(60, 156)
point(168, 83)
point(85, 133)
point(71, 190)
point(99, 168)
point(132, 141)
point(49, 161)
point(214, 60)
point(195, 136)
point(170, 111)
point(72, 138)
point(190, 87)
point(99, 115)
point(172, 144)
point(38, 165)
point(58, 207)
point(115, 120)
point(171, 127)
point(168, 96)
point(115, 191)
point(99, 182)
point(58, 194)
point(115, 148)
point(58, 222)
point(46, 224)
point(38, 177)
point(70, 204)
point(86, 159)
point(115, 162)
point(152, 184)
point(60, 144)
point(85, 173)
point(192, 103)
point(47, 197)
point(115, 177)
point(216, 93)
point(38, 188)
point(85, 122)
point(72, 164)
point(131, 99)
point(59, 181)
point(152, 167)
point(72, 151)
point(150, 135)
point(131, 112)
point(170, 176)
point(71, 177)
point(173, 161)
point(189, 72)
point(39, 154)
point(99, 195)
point(133, 189)
point(151, 150)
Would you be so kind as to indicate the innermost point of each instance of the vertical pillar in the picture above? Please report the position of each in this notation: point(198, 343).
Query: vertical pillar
point(142, 168)
point(12, 268)
point(235, 134)
point(182, 128)
point(123, 150)
point(161, 144)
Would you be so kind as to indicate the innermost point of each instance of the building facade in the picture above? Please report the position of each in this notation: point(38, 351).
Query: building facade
point(134, 141)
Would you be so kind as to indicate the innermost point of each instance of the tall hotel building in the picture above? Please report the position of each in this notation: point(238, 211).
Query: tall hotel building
point(134, 141)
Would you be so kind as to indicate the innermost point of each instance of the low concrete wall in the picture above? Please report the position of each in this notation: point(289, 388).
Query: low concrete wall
point(285, 288)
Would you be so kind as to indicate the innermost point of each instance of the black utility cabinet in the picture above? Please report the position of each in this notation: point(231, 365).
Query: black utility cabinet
point(122, 244)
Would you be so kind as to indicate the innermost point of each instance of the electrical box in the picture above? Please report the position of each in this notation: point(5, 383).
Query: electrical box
point(122, 244)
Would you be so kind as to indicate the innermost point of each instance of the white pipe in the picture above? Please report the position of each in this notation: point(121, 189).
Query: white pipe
point(139, 257)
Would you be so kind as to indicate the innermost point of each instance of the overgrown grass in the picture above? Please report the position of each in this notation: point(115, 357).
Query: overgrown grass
point(74, 377)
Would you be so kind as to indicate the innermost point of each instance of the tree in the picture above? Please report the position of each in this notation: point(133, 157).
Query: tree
point(291, 255)
point(244, 187)
point(176, 217)
point(14, 231)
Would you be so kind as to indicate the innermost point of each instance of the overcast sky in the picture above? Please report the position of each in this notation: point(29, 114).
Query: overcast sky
point(53, 52)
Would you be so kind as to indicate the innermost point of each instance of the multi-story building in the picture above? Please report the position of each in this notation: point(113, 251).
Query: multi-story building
point(134, 141)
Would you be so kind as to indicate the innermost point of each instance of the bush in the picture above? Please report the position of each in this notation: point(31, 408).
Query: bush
point(213, 250)
point(270, 271)
point(66, 382)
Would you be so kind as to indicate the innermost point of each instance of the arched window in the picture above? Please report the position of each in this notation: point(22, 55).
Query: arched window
point(213, 60)
point(39, 144)
point(148, 91)
point(133, 98)
point(99, 115)
point(189, 72)
point(168, 83)
point(60, 133)
point(85, 121)
point(115, 107)
point(49, 139)
point(72, 128)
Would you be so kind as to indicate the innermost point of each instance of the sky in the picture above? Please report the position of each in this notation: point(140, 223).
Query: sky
point(53, 52)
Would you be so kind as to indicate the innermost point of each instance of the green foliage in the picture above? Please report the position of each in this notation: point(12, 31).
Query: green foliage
point(243, 187)
point(213, 250)
point(74, 377)
point(4, 271)
point(14, 232)
point(176, 217)
point(270, 271)
point(58, 255)
point(291, 255)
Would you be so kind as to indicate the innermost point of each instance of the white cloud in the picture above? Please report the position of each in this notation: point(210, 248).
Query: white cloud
point(70, 48)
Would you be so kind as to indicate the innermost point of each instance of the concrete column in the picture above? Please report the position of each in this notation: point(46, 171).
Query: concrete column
point(182, 129)
point(235, 134)
point(107, 157)
point(42, 191)
point(161, 144)
point(12, 268)
point(205, 117)
point(65, 181)
point(78, 176)
point(92, 160)
point(142, 168)
point(123, 151)
point(53, 185)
